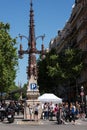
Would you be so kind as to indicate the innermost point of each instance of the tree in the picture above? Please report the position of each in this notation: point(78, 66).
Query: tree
point(67, 64)
point(60, 69)
point(70, 61)
point(46, 82)
point(8, 58)
point(67, 68)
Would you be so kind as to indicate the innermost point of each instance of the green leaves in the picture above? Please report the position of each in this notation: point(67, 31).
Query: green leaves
point(60, 68)
point(8, 58)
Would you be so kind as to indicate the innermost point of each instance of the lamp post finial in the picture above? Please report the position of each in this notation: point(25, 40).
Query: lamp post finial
point(31, 3)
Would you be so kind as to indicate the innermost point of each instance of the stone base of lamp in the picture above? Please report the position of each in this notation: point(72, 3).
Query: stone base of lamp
point(32, 100)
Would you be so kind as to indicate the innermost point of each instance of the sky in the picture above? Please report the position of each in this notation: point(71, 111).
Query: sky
point(49, 17)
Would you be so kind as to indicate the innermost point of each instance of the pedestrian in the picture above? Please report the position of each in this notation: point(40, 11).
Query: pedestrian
point(45, 110)
point(51, 110)
point(56, 108)
point(67, 112)
point(36, 111)
point(30, 111)
point(72, 112)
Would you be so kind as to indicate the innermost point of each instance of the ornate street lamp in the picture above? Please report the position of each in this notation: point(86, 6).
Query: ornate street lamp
point(32, 88)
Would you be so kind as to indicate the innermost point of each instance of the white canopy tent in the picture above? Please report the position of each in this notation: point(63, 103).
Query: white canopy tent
point(49, 97)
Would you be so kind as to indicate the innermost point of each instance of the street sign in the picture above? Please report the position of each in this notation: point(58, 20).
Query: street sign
point(33, 86)
point(82, 93)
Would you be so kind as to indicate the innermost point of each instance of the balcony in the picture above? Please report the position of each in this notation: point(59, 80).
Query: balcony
point(76, 11)
point(81, 22)
point(82, 35)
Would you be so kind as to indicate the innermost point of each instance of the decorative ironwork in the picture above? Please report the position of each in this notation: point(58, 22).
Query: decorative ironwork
point(32, 50)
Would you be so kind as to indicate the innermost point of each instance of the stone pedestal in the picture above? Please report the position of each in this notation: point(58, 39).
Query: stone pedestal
point(32, 100)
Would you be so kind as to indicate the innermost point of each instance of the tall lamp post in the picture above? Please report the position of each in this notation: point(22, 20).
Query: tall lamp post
point(21, 52)
point(32, 88)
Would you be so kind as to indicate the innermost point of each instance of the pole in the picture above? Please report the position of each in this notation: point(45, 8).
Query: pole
point(82, 98)
point(86, 107)
point(25, 112)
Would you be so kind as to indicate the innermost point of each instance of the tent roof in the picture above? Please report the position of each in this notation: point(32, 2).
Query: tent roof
point(49, 97)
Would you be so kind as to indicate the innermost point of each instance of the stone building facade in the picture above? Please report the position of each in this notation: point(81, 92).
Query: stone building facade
point(74, 34)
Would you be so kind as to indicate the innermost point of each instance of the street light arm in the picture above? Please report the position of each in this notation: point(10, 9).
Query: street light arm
point(41, 36)
point(21, 36)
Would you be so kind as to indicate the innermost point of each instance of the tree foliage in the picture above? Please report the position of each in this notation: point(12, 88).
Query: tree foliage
point(45, 81)
point(60, 68)
point(70, 61)
point(8, 58)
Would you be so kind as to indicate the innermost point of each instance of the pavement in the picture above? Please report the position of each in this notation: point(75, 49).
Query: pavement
point(20, 120)
point(81, 121)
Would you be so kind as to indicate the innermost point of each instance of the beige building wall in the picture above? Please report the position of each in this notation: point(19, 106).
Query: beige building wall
point(74, 34)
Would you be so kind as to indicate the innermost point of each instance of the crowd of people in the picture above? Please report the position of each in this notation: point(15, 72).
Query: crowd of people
point(15, 105)
point(65, 112)
point(19, 107)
